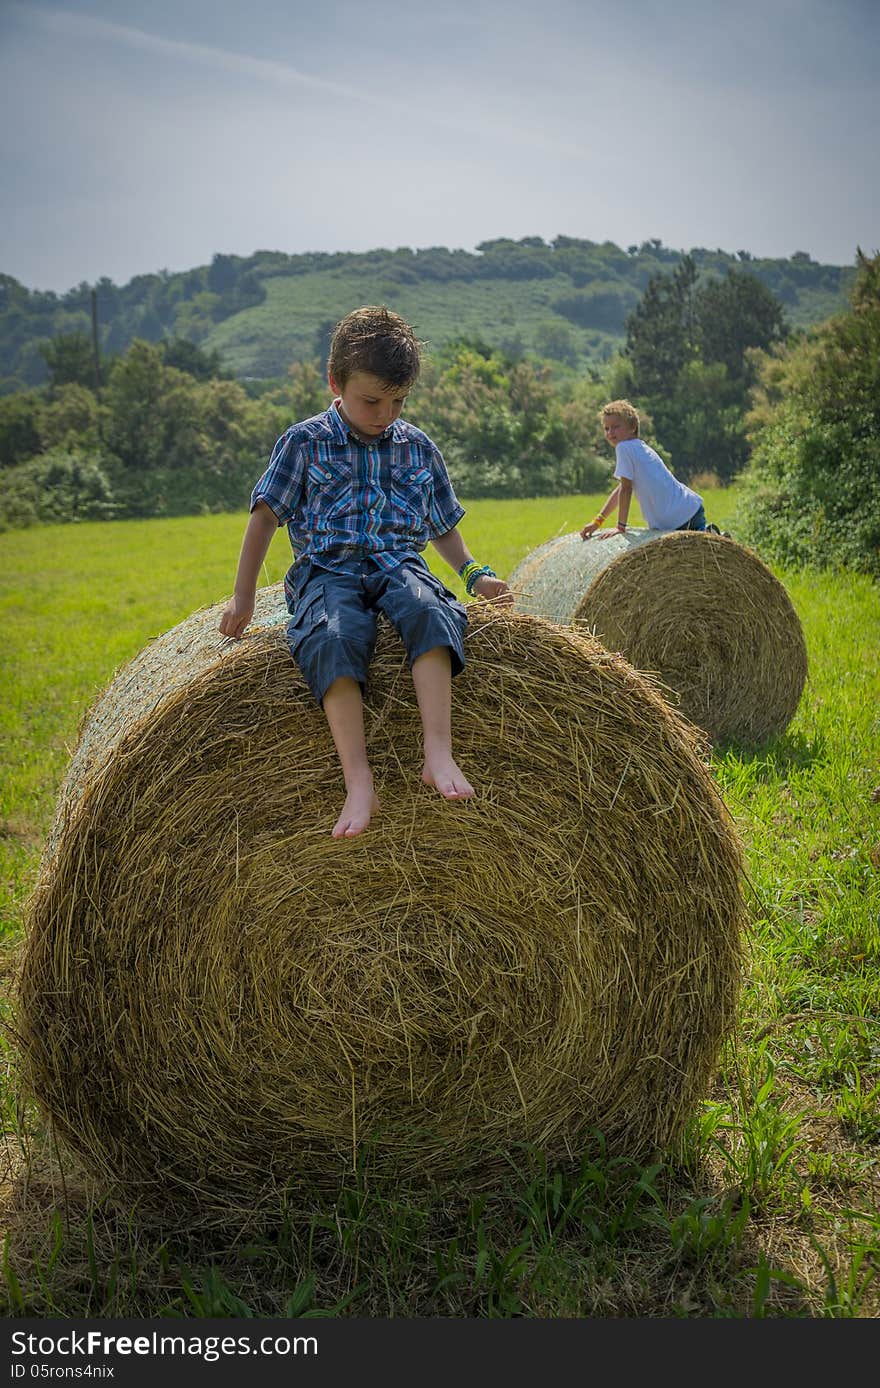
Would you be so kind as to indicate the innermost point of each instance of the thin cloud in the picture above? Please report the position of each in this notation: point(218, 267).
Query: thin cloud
point(265, 70)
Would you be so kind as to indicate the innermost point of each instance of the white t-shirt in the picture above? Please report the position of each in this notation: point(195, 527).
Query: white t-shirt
point(666, 503)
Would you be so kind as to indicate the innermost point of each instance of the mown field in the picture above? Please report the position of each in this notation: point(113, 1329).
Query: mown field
point(771, 1208)
point(292, 322)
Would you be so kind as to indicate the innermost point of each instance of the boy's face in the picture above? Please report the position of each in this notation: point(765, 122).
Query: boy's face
point(368, 403)
point(617, 429)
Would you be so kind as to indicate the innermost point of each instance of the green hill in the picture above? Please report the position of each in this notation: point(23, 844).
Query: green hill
point(567, 299)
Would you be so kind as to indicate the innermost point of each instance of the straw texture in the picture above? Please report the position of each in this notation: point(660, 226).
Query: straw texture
point(700, 612)
point(217, 1001)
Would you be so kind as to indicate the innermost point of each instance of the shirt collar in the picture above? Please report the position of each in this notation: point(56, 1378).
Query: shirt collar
point(344, 432)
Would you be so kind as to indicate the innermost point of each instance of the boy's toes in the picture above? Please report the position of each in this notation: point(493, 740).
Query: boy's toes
point(356, 814)
point(456, 788)
point(453, 791)
point(346, 827)
point(449, 781)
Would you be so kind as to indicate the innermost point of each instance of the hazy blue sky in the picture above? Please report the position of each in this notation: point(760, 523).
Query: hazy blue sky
point(137, 137)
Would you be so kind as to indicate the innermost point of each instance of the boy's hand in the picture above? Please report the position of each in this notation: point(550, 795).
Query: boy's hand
point(236, 615)
point(587, 530)
point(494, 588)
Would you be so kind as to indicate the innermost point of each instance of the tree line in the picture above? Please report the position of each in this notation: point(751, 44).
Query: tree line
point(598, 284)
point(169, 435)
point(723, 385)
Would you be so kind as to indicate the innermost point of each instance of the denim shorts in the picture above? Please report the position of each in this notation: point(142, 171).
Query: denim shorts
point(332, 630)
point(696, 522)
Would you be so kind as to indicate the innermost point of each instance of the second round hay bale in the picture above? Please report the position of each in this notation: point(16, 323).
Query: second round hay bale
point(700, 611)
point(218, 1001)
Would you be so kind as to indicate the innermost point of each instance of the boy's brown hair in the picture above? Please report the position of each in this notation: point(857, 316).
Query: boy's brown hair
point(624, 410)
point(377, 340)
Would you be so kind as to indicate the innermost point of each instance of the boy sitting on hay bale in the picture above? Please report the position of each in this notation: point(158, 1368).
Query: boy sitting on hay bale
point(666, 503)
point(362, 492)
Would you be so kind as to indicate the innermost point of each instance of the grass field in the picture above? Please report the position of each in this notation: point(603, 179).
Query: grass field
point(772, 1207)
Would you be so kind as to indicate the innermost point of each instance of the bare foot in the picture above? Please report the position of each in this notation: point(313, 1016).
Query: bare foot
point(442, 773)
point(361, 803)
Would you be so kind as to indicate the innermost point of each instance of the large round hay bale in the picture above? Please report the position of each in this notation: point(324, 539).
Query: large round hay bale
point(219, 1000)
point(701, 612)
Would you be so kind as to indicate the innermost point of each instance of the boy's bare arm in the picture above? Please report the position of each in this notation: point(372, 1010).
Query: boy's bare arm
point(601, 515)
point(626, 491)
point(452, 548)
point(261, 526)
point(624, 497)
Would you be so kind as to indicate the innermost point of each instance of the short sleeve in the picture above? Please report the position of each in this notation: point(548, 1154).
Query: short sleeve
point(445, 510)
point(623, 465)
point(281, 485)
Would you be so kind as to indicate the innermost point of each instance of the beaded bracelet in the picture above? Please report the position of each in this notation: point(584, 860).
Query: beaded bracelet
point(482, 572)
point(467, 569)
point(470, 572)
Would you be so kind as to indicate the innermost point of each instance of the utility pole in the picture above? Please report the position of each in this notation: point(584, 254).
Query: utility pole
point(95, 351)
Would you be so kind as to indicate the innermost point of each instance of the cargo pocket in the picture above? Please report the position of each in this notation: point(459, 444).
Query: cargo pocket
point(311, 614)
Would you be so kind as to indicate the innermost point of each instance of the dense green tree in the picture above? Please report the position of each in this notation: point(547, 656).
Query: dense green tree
point(499, 423)
point(223, 273)
point(70, 359)
point(732, 315)
point(660, 331)
point(708, 433)
point(187, 356)
point(306, 391)
point(159, 442)
point(689, 346)
point(812, 492)
point(71, 419)
point(149, 407)
point(173, 444)
point(20, 427)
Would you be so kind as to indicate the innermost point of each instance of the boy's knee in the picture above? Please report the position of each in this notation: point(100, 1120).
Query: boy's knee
point(433, 641)
point(322, 662)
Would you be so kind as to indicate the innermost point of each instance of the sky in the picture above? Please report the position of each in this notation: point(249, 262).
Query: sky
point(136, 138)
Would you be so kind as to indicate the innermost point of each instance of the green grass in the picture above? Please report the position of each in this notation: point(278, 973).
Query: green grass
point(771, 1207)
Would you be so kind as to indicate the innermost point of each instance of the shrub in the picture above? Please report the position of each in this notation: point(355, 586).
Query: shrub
point(57, 486)
point(20, 427)
point(812, 493)
point(498, 423)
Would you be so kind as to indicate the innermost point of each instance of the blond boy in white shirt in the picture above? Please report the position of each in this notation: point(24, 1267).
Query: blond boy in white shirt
point(666, 503)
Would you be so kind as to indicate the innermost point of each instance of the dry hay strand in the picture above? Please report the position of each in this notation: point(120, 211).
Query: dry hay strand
point(219, 1002)
point(701, 612)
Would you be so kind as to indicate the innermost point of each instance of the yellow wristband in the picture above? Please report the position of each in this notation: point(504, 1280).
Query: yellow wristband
point(598, 520)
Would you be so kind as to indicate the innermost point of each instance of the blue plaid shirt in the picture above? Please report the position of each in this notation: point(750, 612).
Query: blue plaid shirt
point(344, 500)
